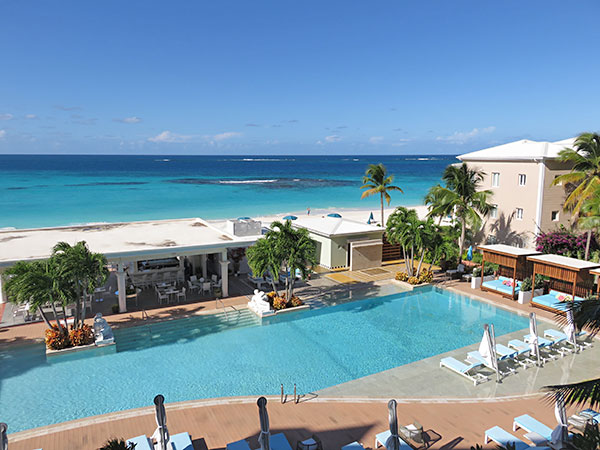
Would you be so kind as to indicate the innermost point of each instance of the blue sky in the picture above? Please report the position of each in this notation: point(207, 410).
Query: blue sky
point(276, 77)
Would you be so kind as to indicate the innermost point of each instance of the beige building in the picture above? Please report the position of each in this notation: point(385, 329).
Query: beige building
point(520, 175)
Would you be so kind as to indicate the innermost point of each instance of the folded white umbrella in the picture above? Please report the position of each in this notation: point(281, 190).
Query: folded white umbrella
point(264, 438)
point(3, 437)
point(161, 434)
point(392, 442)
point(533, 344)
point(487, 349)
point(560, 433)
point(570, 328)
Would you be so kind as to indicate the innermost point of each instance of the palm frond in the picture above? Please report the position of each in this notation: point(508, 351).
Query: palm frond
point(576, 394)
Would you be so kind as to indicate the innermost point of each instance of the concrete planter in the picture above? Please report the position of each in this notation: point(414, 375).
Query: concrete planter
point(82, 351)
point(476, 281)
point(274, 312)
point(525, 296)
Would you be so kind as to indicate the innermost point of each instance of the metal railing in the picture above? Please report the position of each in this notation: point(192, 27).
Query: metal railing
point(284, 395)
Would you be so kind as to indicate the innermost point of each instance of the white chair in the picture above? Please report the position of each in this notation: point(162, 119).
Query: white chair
point(181, 295)
point(214, 278)
point(193, 278)
point(163, 297)
point(206, 287)
point(192, 287)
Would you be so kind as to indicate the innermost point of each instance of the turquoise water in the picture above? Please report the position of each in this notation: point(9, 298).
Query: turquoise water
point(51, 190)
point(205, 357)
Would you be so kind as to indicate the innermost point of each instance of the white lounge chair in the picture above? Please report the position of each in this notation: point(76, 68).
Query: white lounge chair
point(180, 441)
point(353, 446)
point(467, 371)
point(238, 445)
point(382, 438)
point(476, 357)
point(523, 353)
point(530, 425)
point(503, 438)
point(141, 442)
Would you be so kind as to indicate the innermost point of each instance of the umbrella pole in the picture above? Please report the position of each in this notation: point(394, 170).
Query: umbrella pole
point(493, 337)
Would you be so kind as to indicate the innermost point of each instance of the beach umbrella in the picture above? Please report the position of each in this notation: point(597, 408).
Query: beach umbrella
point(570, 328)
point(3, 437)
point(264, 438)
point(560, 434)
point(371, 219)
point(487, 349)
point(161, 434)
point(336, 215)
point(290, 218)
point(533, 344)
point(470, 253)
point(392, 442)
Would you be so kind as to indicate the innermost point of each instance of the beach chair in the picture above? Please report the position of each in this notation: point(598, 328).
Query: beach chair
point(532, 425)
point(584, 418)
point(544, 344)
point(238, 445)
point(381, 439)
point(555, 334)
point(523, 353)
point(467, 371)
point(279, 442)
point(353, 446)
point(180, 441)
point(503, 438)
point(475, 357)
point(141, 442)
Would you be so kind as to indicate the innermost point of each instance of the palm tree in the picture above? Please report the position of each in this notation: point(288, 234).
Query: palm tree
point(38, 283)
point(84, 269)
point(377, 181)
point(263, 258)
point(585, 174)
point(462, 196)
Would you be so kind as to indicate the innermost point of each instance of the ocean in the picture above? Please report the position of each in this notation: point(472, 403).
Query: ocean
point(54, 190)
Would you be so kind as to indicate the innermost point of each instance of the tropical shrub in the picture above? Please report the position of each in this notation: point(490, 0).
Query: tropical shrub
point(426, 276)
point(539, 282)
point(279, 303)
point(295, 301)
point(564, 242)
point(81, 336)
point(401, 276)
point(57, 339)
point(115, 308)
point(117, 444)
point(413, 281)
point(489, 270)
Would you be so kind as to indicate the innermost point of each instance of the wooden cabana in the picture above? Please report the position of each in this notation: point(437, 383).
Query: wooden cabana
point(596, 272)
point(569, 275)
point(512, 261)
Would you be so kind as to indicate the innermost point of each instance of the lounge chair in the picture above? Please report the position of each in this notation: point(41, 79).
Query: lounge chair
point(553, 301)
point(530, 424)
point(279, 442)
point(382, 438)
point(141, 442)
point(503, 438)
point(583, 418)
point(181, 441)
point(238, 445)
point(475, 356)
point(467, 371)
point(353, 446)
point(554, 334)
point(523, 353)
point(546, 344)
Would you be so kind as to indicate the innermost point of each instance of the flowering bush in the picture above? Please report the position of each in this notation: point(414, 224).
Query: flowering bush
point(295, 301)
point(413, 280)
point(57, 339)
point(564, 242)
point(401, 276)
point(279, 303)
point(426, 276)
point(81, 336)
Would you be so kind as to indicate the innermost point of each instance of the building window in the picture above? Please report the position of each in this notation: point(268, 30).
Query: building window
point(522, 179)
point(519, 214)
point(494, 212)
point(560, 183)
point(555, 216)
point(495, 179)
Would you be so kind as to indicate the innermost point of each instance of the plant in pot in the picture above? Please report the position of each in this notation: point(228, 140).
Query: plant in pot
point(477, 279)
point(524, 295)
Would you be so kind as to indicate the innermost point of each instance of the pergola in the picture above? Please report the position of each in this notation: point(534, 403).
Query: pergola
point(569, 273)
point(596, 272)
point(513, 259)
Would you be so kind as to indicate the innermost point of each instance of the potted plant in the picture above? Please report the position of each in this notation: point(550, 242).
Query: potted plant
point(117, 444)
point(525, 290)
point(477, 279)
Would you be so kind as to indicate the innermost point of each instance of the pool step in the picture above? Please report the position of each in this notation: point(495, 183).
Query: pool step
point(145, 336)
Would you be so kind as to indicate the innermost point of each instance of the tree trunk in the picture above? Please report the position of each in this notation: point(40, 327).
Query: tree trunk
point(77, 306)
point(461, 244)
point(587, 245)
point(412, 261)
point(65, 316)
point(292, 280)
point(382, 221)
point(420, 263)
point(405, 258)
point(60, 327)
point(43, 314)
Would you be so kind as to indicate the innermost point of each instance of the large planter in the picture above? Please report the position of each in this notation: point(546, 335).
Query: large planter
point(476, 281)
point(525, 296)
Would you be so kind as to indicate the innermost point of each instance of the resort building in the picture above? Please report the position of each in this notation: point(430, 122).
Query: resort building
point(520, 175)
point(344, 243)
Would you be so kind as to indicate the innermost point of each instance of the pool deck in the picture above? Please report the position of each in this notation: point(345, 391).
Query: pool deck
point(213, 424)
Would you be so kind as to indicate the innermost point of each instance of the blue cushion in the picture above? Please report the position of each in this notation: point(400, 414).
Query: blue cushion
point(550, 301)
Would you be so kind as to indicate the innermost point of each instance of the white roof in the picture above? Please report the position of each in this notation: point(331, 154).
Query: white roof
point(559, 260)
point(121, 240)
point(523, 150)
point(335, 226)
point(509, 250)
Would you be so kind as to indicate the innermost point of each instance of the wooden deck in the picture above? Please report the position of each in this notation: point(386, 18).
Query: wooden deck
point(212, 426)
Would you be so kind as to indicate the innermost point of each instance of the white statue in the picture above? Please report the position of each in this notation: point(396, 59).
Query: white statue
point(259, 302)
point(102, 331)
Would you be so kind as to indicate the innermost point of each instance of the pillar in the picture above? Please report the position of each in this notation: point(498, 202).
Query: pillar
point(121, 288)
point(3, 297)
point(203, 264)
point(224, 274)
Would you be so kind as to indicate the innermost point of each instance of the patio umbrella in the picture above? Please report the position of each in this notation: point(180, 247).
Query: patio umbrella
point(336, 215)
point(470, 253)
point(533, 344)
point(487, 349)
point(290, 218)
point(371, 219)
point(3, 438)
point(264, 438)
point(570, 328)
point(560, 433)
point(161, 434)
point(392, 442)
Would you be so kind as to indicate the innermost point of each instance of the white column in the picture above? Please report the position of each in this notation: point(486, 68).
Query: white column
point(121, 288)
point(225, 277)
point(203, 265)
point(3, 298)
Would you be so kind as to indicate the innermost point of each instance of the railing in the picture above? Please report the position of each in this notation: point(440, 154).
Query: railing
point(224, 306)
point(284, 396)
point(145, 315)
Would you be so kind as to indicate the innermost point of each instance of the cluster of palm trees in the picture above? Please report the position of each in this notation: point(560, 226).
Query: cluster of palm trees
point(65, 278)
point(283, 249)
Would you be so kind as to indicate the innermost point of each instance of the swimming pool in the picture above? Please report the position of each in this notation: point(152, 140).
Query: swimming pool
point(211, 356)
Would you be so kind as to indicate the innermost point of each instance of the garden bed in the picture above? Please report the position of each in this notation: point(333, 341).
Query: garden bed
point(81, 351)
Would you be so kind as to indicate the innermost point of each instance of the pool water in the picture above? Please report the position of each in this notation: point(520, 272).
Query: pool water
point(215, 356)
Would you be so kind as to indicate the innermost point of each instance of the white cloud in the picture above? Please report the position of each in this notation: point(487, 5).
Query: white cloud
point(132, 119)
point(169, 137)
point(333, 138)
point(375, 139)
point(30, 116)
point(224, 136)
point(2, 134)
point(6, 116)
point(460, 137)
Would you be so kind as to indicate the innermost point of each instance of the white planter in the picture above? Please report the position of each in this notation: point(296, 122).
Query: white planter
point(476, 281)
point(525, 296)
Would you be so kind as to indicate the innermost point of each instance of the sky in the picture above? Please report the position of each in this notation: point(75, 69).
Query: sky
point(294, 77)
